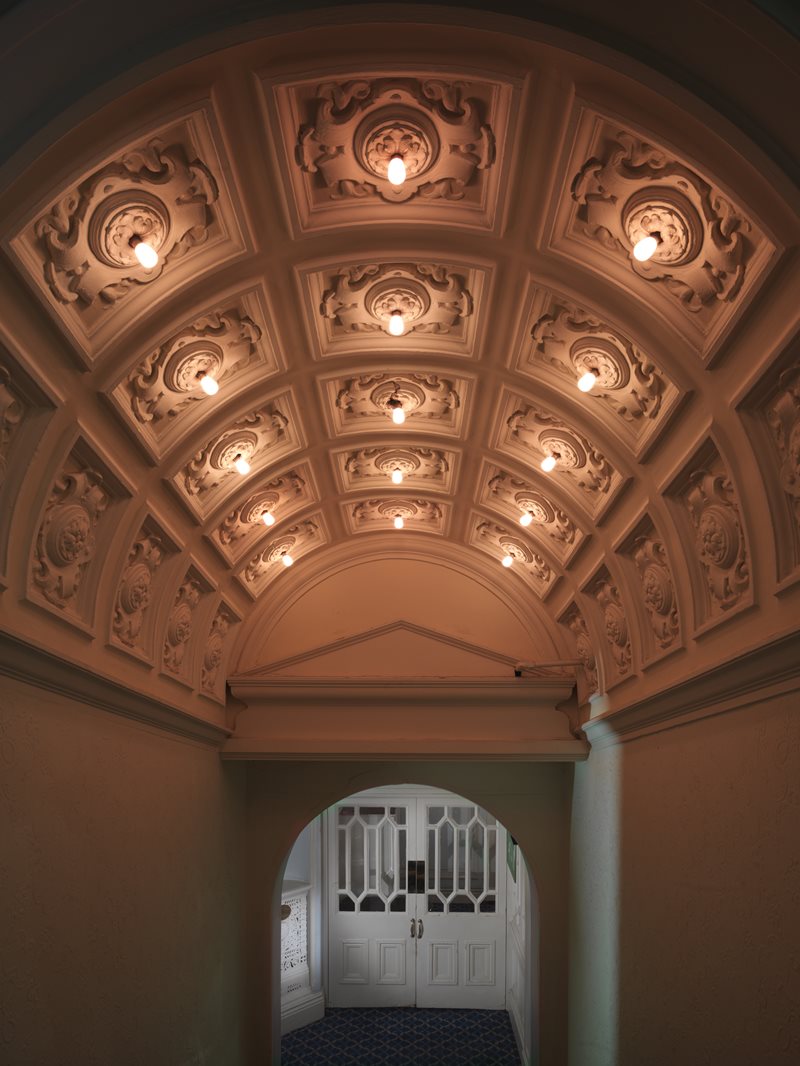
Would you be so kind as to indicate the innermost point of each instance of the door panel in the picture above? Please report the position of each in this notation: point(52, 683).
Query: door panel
point(416, 903)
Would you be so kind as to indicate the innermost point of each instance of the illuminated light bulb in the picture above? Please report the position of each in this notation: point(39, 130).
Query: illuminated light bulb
point(525, 519)
point(241, 465)
point(397, 476)
point(287, 560)
point(398, 522)
point(209, 385)
point(398, 414)
point(507, 560)
point(144, 252)
point(645, 248)
point(548, 463)
point(396, 171)
point(268, 518)
point(587, 381)
point(397, 324)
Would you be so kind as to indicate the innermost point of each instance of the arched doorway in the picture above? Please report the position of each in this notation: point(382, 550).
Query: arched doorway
point(530, 799)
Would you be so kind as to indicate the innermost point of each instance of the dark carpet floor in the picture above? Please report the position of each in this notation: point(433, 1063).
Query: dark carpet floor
point(403, 1036)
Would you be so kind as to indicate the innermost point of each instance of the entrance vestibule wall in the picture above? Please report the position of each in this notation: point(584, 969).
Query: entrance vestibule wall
point(532, 800)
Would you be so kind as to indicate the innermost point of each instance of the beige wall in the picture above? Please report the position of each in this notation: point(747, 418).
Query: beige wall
point(706, 859)
point(119, 890)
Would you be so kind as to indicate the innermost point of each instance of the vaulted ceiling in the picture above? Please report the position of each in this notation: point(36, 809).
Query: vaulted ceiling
point(665, 538)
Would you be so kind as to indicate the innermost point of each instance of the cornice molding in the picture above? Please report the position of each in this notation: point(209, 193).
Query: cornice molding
point(25, 662)
point(756, 675)
point(393, 692)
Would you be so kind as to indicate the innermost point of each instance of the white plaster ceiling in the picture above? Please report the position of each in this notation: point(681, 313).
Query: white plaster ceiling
point(671, 522)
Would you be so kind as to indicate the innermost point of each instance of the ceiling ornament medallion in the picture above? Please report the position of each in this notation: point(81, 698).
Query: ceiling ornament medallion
point(520, 498)
point(431, 298)
point(249, 437)
point(280, 497)
point(180, 624)
point(615, 622)
point(135, 589)
point(65, 544)
point(296, 541)
point(650, 557)
point(370, 465)
point(436, 127)
point(498, 541)
point(167, 381)
point(378, 514)
point(632, 189)
point(155, 192)
point(424, 397)
point(576, 623)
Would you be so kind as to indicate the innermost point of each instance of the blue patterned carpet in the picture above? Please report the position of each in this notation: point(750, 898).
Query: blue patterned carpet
point(403, 1036)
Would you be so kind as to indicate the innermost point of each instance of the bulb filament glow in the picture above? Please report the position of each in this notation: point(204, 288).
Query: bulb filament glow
point(645, 247)
point(144, 252)
point(209, 385)
point(287, 560)
point(397, 476)
point(397, 324)
point(548, 463)
point(268, 518)
point(398, 522)
point(525, 519)
point(507, 560)
point(587, 381)
point(241, 465)
point(396, 170)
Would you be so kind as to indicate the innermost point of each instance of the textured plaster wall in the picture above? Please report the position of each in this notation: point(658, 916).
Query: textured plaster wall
point(119, 891)
point(708, 845)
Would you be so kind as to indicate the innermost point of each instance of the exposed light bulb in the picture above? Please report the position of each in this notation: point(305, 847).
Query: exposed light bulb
point(396, 171)
point(398, 522)
point(397, 476)
point(398, 416)
point(397, 324)
point(587, 381)
point(525, 519)
point(268, 518)
point(507, 560)
point(144, 252)
point(287, 560)
point(209, 385)
point(548, 463)
point(645, 248)
point(241, 465)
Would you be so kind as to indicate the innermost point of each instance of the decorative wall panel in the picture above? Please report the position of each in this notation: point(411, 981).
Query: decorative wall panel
point(134, 597)
point(180, 635)
point(651, 575)
point(614, 622)
point(215, 649)
point(575, 622)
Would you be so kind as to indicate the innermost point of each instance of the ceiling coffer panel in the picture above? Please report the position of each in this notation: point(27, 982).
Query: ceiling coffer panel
point(167, 189)
point(501, 542)
point(278, 499)
point(563, 342)
point(293, 542)
point(409, 307)
point(620, 186)
point(529, 431)
point(545, 518)
point(431, 403)
point(340, 136)
point(162, 397)
point(379, 514)
point(422, 468)
point(247, 448)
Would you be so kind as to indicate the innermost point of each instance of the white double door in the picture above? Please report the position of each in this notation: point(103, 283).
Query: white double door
point(417, 895)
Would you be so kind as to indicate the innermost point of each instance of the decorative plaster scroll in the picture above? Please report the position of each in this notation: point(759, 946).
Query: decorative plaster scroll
point(521, 498)
point(541, 433)
point(431, 298)
point(12, 412)
point(294, 541)
point(499, 541)
point(366, 401)
point(783, 417)
point(439, 128)
point(574, 341)
point(632, 189)
point(615, 621)
point(368, 465)
point(380, 514)
point(248, 438)
point(214, 648)
point(135, 588)
point(658, 590)
point(281, 494)
point(65, 544)
point(167, 381)
point(157, 192)
point(576, 624)
point(713, 508)
point(179, 624)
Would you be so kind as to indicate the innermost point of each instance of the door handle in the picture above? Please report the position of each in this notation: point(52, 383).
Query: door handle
point(420, 929)
point(413, 927)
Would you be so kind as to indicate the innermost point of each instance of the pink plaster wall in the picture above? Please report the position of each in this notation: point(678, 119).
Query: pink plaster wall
point(706, 860)
point(120, 868)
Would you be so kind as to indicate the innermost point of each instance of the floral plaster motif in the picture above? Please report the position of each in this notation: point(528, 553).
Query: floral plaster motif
point(658, 591)
point(712, 506)
point(615, 621)
point(214, 649)
point(135, 588)
point(12, 412)
point(576, 624)
point(784, 421)
point(180, 623)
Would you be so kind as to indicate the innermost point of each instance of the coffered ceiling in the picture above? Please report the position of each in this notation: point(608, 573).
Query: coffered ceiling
point(666, 536)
